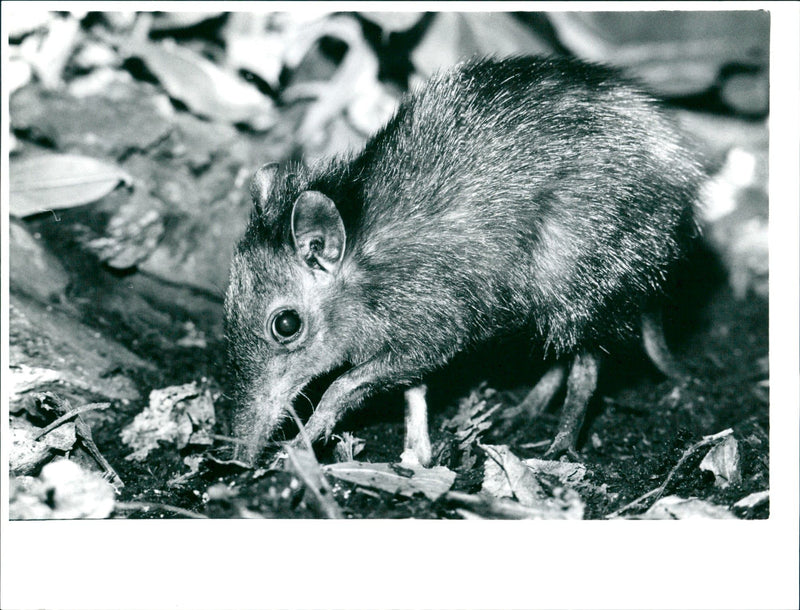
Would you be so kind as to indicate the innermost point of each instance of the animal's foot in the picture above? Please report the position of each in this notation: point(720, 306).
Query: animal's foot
point(563, 445)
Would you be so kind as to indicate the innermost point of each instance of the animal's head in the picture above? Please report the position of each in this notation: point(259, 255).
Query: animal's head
point(291, 313)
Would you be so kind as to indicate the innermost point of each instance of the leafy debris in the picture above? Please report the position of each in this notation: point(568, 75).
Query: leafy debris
point(182, 415)
point(405, 480)
point(63, 490)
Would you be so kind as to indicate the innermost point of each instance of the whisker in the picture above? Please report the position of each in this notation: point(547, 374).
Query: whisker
point(310, 403)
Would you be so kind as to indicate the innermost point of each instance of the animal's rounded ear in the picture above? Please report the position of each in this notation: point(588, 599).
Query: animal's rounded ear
point(262, 183)
point(318, 231)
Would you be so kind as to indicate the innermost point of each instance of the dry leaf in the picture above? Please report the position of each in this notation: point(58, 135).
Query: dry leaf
point(181, 415)
point(753, 500)
point(674, 507)
point(305, 465)
point(472, 420)
point(505, 476)
point(483, 506)
point(64, 490)
point(723, 462)
point(52, 182)
point(25, 378)
point(569, 473)
point(48, 54)
point(405, 480)
point(26, 455)
point(205, 89)
point(260, 53)
point(356, 77)
point(23, 19)
point(18, 74)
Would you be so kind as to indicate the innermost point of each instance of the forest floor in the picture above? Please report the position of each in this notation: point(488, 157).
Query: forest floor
point(129, 168)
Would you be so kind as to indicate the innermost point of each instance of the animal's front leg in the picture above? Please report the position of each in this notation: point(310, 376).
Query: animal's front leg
point(349, 390)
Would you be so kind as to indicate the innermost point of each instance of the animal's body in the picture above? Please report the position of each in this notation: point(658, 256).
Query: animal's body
point(537, 196)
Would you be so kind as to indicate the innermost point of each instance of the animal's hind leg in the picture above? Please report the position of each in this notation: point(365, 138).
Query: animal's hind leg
point(581, 384)
point(536, 400)
point(543, 392)
point(656, 346)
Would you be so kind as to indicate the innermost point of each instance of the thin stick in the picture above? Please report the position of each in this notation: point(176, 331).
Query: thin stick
point(658, 491)
point(535, 445)
point(93, 406)
point(227, 439)
point(145, 506)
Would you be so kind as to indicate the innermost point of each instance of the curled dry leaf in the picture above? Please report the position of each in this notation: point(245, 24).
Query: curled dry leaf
point(181, 415)
point(205, 89)
point(723, 462)
point(405, 480)
point(52, 182)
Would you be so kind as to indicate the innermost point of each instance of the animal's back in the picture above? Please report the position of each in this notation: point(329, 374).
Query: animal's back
point(525, 195)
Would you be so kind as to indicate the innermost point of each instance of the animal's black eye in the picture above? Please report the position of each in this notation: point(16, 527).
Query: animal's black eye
point(285, 325)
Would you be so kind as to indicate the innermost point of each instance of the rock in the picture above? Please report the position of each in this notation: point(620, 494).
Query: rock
point(96, 125)
point(32, 269)
point(89, 363)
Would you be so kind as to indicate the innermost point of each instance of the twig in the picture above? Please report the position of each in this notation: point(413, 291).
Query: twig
point(84, 434)
point(145, 506)
point(227, 439)
point(658, 491)
point(535, 445)
point(93, 406)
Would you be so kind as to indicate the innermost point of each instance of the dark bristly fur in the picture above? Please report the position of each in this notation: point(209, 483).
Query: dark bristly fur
point(526, 195)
